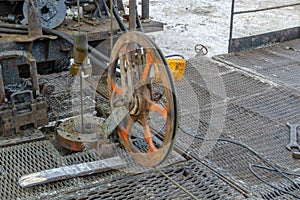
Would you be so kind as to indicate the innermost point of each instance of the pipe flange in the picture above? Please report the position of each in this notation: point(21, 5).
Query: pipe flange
point(70, 136)
point(52, 12)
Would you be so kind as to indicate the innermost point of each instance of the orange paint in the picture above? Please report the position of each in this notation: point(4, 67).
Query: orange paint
point(126, 131)
point(116, 89)
point(151, 146)
point(147, 67)
point(159, 109)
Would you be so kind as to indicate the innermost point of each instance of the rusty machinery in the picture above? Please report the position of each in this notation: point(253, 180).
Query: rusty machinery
point(141, 91)
point(142, 100)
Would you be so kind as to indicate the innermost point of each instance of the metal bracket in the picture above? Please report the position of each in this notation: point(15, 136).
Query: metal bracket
point(293, 137)
point(114, 119)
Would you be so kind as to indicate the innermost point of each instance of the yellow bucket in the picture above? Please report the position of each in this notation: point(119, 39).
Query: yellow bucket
point(177, 66)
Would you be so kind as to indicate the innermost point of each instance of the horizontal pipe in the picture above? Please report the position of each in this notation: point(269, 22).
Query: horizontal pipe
point(13, 31)
point(14, 26)
point(264, 9)
point(64, 36)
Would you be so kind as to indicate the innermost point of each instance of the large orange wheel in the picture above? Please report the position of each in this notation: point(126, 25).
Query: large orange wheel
point(140, 80)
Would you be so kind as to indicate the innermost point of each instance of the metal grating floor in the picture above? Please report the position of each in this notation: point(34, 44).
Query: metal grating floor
point(278, 63)
point(257, 112)
point(256, 115)
point(259, 118)
point(152, 185)
point(19, 160)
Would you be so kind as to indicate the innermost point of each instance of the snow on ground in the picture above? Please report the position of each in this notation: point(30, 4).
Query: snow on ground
point(206, 22)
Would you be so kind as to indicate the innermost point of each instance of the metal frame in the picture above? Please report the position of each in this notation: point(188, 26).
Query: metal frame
point(249, 11)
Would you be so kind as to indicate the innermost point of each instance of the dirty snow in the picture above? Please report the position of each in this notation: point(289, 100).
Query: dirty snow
point(206, 22)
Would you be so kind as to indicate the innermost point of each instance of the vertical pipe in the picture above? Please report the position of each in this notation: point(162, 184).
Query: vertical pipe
point(81, 100)
point(34, 78)
point(145, 9)
point(78, 18)
point(80, 56)
point(80, 48)
point(231, 27)
point(111, 24)
point(2, 91)
point(132, 14)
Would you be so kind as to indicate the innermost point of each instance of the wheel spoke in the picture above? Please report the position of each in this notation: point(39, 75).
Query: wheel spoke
point(148, 137)
point(116, 89)
point(147, 67)
point(159, 109)
point(124, 132)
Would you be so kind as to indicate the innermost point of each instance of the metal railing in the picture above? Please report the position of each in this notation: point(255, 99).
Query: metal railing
point(233, 12)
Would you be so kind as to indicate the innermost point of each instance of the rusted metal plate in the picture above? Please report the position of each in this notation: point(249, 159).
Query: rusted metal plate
point(68, 172)
point(24, 136)
point(239, 44)
point(100, 30)
point(70, 135)
point(59, 48)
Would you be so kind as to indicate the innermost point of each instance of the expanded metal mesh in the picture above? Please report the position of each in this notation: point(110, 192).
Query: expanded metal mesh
point(65, 101)
point(240, 85)
point(152, 185)
point(256, 115)
point(279, 63)
point(24, 159)
point(34, 157)
point(270, 194)
point(277, 104)
point(267, 138)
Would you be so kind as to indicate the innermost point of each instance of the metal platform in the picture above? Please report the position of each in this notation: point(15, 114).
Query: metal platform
point(278, 63)
point(256, 105)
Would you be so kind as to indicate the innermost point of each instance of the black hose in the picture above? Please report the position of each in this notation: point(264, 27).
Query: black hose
point(119, 20)
point(174, 55)
point(138, 21)
point(13, 31)
point(283, 191)
point(106, 8)
point(98, 55)
point(14, 26)
point(60, 34)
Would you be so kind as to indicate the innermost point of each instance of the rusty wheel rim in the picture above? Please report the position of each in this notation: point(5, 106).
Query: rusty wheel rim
point(139, 79)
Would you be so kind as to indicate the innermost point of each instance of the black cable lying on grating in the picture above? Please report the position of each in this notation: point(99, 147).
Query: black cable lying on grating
point(275, 194)
point(273, 168)
point(281, 190)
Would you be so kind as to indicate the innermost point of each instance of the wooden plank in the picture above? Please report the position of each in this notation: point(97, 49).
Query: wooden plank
point(71, 171)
